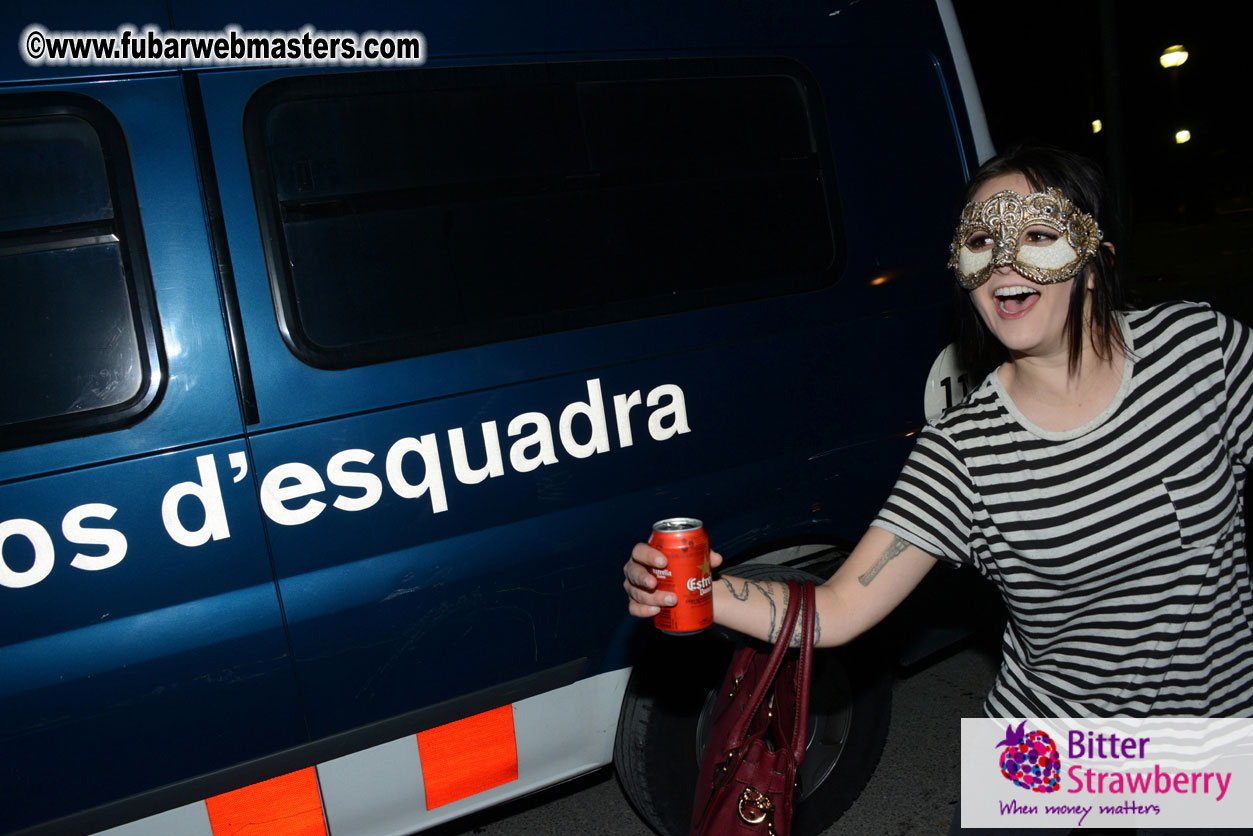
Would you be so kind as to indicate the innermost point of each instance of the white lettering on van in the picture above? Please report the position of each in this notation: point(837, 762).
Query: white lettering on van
point(622, 405)
point(582, 431)
point(432, 478)
point(112, 539)
point(287, 483)
point(370, 485)
point(493, 466)
point(594, 411)
point(541, 438)
point(39, 540)
point(208, 492)
point(676, 408)
point(239, 463)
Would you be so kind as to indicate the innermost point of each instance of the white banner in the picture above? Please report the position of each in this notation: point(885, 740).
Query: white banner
point(1160, 772)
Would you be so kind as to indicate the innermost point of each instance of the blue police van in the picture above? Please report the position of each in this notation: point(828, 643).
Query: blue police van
point(335, 394)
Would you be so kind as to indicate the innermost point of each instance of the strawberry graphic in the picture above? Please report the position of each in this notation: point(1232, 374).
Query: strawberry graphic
point(1030, 760)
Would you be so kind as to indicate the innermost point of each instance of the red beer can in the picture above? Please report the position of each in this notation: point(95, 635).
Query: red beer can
point(687, 574)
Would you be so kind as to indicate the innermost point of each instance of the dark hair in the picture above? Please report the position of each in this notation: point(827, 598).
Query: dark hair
point(1082, 182)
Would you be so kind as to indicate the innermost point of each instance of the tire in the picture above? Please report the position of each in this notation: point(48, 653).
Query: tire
point(670, 696)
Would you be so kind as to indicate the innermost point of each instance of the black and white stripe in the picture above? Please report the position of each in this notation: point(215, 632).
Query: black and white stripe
point(1118, 547)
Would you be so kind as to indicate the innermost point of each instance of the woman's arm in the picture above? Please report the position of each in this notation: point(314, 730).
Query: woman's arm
point(877, 576)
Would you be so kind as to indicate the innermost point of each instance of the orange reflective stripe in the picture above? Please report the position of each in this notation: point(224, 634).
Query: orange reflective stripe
point(469, 756)
point(289, 805)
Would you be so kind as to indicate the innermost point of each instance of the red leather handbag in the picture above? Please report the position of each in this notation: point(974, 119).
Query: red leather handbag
point(747, 782)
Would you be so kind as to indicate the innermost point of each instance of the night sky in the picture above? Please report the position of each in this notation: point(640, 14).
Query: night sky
point(1044, 73)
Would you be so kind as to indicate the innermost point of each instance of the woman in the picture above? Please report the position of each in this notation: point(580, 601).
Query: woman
point(1094, 475)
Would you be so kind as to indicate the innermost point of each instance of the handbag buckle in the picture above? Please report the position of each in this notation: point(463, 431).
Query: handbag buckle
point(755, 807)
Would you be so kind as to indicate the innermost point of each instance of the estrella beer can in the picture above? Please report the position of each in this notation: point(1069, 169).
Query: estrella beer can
point(687, 574)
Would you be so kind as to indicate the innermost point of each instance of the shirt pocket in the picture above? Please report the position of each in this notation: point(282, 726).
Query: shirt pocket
point(1204, 497)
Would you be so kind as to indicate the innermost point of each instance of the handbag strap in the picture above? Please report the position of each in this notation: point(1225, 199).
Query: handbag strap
point(762, 686)
point(804, 671)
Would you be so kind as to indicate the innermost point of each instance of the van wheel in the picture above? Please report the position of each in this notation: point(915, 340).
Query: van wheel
point(663, 726)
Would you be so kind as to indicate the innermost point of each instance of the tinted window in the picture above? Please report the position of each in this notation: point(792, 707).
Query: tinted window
point(77, 329)
point(411, 213)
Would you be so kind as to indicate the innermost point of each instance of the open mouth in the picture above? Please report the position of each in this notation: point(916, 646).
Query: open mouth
point(1016, 300)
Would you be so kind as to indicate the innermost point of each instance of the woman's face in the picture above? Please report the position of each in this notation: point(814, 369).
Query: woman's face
point(1029, 318)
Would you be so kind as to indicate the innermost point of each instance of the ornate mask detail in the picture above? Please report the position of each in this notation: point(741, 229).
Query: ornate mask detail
point(1041, 235)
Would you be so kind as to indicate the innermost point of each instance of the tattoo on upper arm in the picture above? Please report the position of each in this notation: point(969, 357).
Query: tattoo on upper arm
point(894, 548)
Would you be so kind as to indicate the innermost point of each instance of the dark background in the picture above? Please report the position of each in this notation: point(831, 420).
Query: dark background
point(1047, 70)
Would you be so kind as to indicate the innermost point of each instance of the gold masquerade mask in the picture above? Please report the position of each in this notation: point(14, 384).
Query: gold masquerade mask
point(1041, 235)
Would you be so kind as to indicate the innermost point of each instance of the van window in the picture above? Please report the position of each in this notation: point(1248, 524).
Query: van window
point(77, 327)
point(436, 209)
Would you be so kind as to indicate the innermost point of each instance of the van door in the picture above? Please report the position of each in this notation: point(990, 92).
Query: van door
point(141, 640)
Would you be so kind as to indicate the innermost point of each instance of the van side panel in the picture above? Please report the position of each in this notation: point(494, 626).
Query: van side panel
point(434, 532)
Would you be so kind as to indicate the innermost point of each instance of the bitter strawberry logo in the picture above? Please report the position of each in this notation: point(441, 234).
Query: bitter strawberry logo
point(1030, 759)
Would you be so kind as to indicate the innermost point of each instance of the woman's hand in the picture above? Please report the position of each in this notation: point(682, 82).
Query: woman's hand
point(641, 583)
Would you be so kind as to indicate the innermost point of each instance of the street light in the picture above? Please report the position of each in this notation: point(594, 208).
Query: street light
point(1182, 136)
point(1174, 56)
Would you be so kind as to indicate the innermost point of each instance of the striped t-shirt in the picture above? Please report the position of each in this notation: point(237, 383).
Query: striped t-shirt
point(1118, 547)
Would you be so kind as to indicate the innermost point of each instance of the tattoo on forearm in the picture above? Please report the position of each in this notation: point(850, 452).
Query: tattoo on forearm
point(769, 591)
point(739, 595)
point(799, 633)
point(742, 593)
point(775, 627)
point(894, 548)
